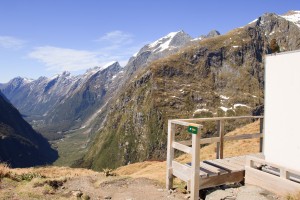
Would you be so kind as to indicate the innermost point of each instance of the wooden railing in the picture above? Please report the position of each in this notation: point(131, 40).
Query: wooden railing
point(193, 147)
point(287, 180)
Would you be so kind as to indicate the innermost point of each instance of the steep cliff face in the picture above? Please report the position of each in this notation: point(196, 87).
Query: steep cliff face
point(220, 76)
point(20, 145)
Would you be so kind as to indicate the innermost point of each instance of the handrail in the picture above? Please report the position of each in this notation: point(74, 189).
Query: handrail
point(218, 118)
point(221, 137)
point(226, 138)
point(196, 142)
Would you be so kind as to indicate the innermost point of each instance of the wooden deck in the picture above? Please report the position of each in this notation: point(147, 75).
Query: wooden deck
point(209, 173)
point(215, 172)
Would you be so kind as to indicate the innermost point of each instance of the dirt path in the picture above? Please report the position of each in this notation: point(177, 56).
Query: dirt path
point(118, 188)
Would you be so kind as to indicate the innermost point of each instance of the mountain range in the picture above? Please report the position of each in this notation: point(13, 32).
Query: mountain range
point(124, 110)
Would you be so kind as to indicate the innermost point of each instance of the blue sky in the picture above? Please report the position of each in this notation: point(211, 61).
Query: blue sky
point(46, 37)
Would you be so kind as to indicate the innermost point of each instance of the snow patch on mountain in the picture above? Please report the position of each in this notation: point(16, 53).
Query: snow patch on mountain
point(293, 16)
point(164, 42)
point(108, 65)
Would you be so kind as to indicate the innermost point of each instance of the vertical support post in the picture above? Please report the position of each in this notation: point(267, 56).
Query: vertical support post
point(249, 162)
point(261, 130)
point(220, 145)
point(283, 173)
point(170, 154)
point(195, 178)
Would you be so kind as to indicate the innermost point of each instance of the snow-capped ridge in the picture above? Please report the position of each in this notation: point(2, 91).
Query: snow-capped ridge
point(292, 16)
point(20, 80)
point(109, 64)
point(164, 43)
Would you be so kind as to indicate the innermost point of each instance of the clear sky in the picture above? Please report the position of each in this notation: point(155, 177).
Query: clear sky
point(46, 37)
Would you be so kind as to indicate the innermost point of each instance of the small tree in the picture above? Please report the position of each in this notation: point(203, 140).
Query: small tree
point(274, 46)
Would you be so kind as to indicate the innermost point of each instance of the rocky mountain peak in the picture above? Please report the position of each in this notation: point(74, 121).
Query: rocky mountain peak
point(172, 40)
point(213, 33)
point(110, 64)
point(162, 47)
point(18, 81)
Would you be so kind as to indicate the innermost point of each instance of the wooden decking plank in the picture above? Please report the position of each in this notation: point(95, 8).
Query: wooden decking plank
point(230, 163)
point(203, 173)
point(222, 179)
point(208, 172)
point(211, 162)
point(213, 169)
point(238, 162)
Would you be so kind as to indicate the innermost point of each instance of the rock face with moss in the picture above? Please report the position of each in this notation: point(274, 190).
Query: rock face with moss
point(219, 76)
point(20, 145)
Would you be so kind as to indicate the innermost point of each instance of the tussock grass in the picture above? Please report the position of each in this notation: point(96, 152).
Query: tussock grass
point(293, 196)
point(39, 182)
point(4, 170)
point(53, 171)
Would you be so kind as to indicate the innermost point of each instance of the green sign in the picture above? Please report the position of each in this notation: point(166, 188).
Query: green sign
point(192, 129)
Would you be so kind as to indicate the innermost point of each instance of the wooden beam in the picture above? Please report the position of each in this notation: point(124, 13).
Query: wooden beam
point(261, 130)
point(209, 140)
point(219, 118)
point(243, 137)
point(181, 171)
point(202, 141)
point(195, 166)
point(252, 160)
point(182, 147)
point(278, 185)
point(220, 145)
point(226, 138)
point(213, 181)
point(184, 123)
point(170, 154)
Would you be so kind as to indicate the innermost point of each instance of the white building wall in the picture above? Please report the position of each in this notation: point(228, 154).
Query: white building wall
point(282, 109)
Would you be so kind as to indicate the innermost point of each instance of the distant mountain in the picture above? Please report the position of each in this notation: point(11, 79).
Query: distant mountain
point(20, 145)
point(62, 102)
point(218, 76)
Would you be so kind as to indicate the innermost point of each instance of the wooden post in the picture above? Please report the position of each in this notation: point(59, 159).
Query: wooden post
point(283, 173)
point(195, 178)
point(261, 129)
point(170, 154)
point(220, 145)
